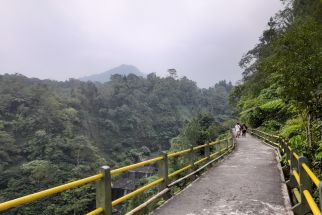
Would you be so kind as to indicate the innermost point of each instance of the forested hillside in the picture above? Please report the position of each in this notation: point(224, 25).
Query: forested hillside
point(281, 90)
point(52, 132)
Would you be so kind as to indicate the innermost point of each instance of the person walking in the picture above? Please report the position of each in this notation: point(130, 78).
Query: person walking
point(244, 130)
point(237, 130)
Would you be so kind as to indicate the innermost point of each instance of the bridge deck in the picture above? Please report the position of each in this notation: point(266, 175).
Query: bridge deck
point(246, 182)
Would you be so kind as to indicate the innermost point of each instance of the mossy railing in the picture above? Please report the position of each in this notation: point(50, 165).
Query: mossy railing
point(301, 180)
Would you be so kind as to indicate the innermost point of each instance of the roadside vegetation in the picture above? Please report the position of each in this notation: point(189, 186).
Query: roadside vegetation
point(281, 89)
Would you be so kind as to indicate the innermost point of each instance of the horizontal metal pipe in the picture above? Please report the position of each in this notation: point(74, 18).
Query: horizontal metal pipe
point(215, 142)
point(271, 142)
point(272, 135)
point(311, 174)
point(134, 166)
point(179, 171)
point(199, 147)
point(149, 201)
point(195, 163)
point(296, 176)
point(194, 172)
point(315, 209)
point(296, 155)
point(174, 154)
point(216, 153)
point(275, 144)
point(297, 194)
point(48, 192)
point(201, 160)
point(97, 211)
point(136, 192)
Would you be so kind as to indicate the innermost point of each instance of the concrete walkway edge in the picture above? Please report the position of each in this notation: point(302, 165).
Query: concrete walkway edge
point(248, 181)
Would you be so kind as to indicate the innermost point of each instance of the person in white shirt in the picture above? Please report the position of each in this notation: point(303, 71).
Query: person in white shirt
point(237, 130)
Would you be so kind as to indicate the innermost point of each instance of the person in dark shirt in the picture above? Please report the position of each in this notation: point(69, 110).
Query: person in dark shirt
point(244, 130)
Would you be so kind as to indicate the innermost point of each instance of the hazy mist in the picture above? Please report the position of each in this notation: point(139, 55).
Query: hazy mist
point(203, 39)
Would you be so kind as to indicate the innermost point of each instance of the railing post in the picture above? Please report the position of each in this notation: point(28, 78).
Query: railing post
point(270, 139)
point(286, 149)
point(280, 145)
point(163, 172)
point(218, 147)
point(293, 166)
point(284, 153)
point(104, 191)
point(287, 152)
point(191, 155)
point(255, 132)
point(232, 137)
point(221, 146)
point(227, 144)
point(191, 159)
point(232, 141)
point(207, 151)
point(264, 135)
point(305, 184)
point(294, 161)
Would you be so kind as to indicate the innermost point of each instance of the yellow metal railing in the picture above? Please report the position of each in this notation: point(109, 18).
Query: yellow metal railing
point(313, 177)
point(33, 197)
point(201, 160)
point(136, 192)
point(315, 209)
point(104, 179)
point(174, 154)
point(214, 142)
point(199, 147)
point(96, 211)
point(134, 166)
point(299, 170)
point(171, 175)
point(179, 171)
point(296, 176)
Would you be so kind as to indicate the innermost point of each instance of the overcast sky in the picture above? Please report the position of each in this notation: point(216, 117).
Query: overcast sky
point(59, 39)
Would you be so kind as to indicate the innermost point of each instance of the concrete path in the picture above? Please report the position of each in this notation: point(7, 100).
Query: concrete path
point(247, 182)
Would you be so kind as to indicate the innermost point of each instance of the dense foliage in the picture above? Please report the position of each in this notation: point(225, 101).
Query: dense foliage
point(281, 90)
point(52, 132)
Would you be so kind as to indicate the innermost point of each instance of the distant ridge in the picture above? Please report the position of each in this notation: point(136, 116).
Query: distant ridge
point(105, 76)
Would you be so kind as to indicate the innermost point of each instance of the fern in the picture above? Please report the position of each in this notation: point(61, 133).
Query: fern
point(272, 105)
point(292, 127)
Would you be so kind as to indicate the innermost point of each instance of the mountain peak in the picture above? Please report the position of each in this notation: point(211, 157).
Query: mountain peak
point(123, 69)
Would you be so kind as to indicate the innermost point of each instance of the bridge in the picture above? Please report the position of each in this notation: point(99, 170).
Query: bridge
point(259, 174)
